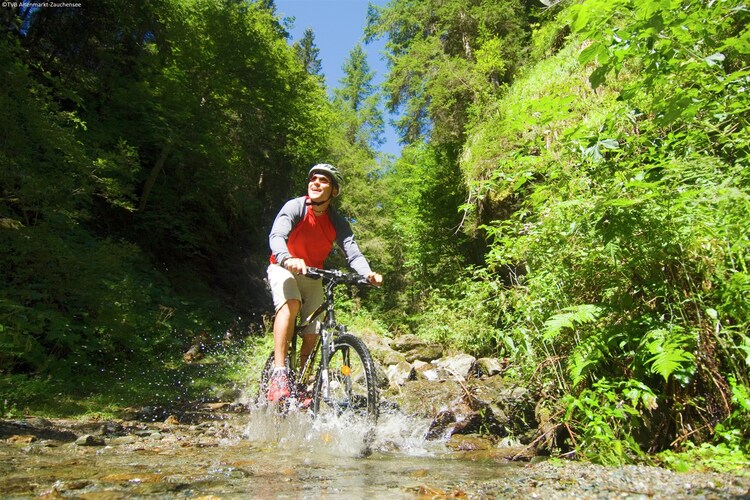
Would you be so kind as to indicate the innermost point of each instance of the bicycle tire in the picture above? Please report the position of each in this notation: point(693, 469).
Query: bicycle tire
point(352, 386)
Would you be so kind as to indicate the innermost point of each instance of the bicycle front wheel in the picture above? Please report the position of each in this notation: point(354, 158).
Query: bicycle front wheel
point(348, 386)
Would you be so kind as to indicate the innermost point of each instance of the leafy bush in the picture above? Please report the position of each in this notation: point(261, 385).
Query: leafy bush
point(614, 215)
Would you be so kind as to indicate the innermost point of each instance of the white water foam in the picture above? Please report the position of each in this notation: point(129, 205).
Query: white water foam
point(394, 434)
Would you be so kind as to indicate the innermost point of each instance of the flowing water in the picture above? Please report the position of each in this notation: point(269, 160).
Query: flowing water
point(258, 454)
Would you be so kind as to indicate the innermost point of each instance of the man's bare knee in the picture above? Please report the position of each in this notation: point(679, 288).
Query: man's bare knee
point(288, 309)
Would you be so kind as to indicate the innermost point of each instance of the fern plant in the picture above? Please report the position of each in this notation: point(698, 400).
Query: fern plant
point(671, 353)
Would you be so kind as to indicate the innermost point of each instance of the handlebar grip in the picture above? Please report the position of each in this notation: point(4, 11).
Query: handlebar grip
point(361, 280)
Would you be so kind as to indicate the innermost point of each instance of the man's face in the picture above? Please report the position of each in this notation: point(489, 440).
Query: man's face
point(319, 187)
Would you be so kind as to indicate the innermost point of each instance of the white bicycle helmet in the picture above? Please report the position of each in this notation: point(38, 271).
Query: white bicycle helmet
point(329, 171)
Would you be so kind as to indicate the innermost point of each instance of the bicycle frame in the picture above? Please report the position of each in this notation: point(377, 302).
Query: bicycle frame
point(325, 335)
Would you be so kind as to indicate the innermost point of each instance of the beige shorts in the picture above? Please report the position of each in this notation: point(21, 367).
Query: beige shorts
point(286, 285)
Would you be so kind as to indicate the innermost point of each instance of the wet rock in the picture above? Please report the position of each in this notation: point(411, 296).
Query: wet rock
point(39, 427)
point(90, 440)
point(392, 357)
point(460, 365)
point(426, 371)
point(501, 452)
point(400, 373)
point(489, 367)
point(381, 376)
point(423, 398)
point(153, 414)
point(123, 440)
point(414, 348)
point(380, 349)
point(520, 406)
point(71, 485)
point(135, 477)
point(21, 439)
point(108, 428)
point(439, 426)
point(172, 420)
point(480, 422)
point(217, 406)
point(426, 491)
point(464, 442)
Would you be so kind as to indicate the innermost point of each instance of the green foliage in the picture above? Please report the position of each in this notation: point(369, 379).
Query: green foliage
point(141, 161)
point(729, 452)
point(731, 448)
point(734, 432)
point(359, 103)
point(446, 56)
point(309, 54)
point(420, 203)
point(567, 319)
point(610, 182)
point(671, 353)
point(607, 415)
point(468, 317)
point(157, 381)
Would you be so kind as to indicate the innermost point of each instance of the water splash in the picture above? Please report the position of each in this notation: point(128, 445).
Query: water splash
point(394, 434)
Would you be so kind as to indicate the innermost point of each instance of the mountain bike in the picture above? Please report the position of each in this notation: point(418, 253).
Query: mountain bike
point(344, 380)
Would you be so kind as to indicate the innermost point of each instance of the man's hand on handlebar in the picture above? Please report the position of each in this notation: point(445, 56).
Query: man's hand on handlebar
point(375, 279)
point(295, 265)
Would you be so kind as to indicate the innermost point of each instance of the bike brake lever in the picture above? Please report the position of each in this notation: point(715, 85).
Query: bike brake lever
point(313, 272)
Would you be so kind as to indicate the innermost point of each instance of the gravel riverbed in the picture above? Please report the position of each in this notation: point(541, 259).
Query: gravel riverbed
point(216, 459)
point(570, 479)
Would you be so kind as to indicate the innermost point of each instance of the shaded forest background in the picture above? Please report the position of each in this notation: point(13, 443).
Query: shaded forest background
point(573, 195)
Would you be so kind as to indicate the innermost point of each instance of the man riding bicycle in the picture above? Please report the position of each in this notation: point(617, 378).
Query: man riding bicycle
point(302, 235)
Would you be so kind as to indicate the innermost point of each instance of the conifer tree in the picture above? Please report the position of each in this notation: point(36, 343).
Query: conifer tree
point(308, 54)
point(358, 99)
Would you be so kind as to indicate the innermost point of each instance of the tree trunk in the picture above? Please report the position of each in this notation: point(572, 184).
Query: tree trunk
point(158, 167)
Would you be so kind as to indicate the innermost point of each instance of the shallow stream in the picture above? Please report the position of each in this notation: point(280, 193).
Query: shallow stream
point(252, 455)
point(259, 454)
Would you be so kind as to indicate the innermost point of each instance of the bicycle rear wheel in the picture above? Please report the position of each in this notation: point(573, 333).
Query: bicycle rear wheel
point(349, 387)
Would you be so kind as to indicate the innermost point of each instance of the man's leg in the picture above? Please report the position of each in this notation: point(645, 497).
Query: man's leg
point(287, 301)
point(283, 327)
point(308, 342)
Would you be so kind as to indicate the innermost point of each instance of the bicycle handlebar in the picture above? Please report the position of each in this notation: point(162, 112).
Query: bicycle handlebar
point(337, 276)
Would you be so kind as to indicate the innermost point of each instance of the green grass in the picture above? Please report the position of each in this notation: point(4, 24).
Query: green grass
point(219, 375)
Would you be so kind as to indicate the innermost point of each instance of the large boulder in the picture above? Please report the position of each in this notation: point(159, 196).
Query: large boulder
point(400, 373)
point(381, 349)
point(422, 398)
point(460, 365)
point(414, 348)
point(427, 371)
point(489, 367)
